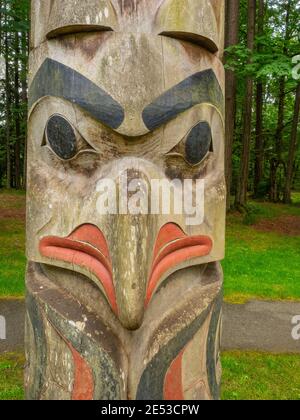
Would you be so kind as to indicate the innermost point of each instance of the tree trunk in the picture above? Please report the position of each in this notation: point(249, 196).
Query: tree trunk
point(259, 142)
point(293, 149)
point(232, 38)
point(274, 187)
point(7, 113)
point(17, 116)
point(1, 35)
point(280, 121)
point(24, 44)
point(241, 196)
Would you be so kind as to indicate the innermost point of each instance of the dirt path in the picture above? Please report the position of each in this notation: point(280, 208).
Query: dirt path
point(265, 326)
point(284, 225)
point(261, 326)
point(12, 206)
point(14, 313)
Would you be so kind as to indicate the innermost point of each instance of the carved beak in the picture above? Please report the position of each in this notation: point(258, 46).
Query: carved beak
point(122, 274)
point(173, 247)
point(86, 247)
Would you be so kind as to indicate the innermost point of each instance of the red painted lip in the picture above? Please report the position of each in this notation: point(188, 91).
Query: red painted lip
point(173, 247)
point(86, 247)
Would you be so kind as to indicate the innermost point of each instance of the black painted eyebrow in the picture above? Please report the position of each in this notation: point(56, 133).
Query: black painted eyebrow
point(202, 87)
point(56, 79)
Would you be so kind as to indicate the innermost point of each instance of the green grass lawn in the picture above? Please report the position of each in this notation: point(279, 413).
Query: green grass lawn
point(259, 376)
point(12, 243)
point(246, 376)
point(258, 264)
point(11, 376)
point(296, 198)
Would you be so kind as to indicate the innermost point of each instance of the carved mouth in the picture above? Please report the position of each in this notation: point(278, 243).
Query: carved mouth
point(173, 247)
point(86, 247)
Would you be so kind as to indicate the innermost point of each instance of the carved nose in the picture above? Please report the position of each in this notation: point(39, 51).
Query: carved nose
point(130, 261)
point(131, 246)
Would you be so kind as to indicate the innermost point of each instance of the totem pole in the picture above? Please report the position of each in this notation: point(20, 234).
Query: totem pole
point(126, 200)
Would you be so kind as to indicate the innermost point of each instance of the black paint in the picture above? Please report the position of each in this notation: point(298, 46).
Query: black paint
point(56, 79)
point(202, 87)
point(198, 143)
point(98, 346)
point(35, 386)
point(107, 382)
point(61, 137)
point(211, 349)
point(151, 385)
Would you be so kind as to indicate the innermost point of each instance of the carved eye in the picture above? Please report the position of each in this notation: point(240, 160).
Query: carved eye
point(63, 139)
point(198, 143)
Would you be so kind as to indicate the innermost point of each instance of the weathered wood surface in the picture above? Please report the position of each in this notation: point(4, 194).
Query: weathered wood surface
point(121, 305)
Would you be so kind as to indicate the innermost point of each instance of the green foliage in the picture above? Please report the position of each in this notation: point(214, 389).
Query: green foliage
point(270, 64)
point(13, 89)
point(296, 198)
point(252, 211)
point(263, 189)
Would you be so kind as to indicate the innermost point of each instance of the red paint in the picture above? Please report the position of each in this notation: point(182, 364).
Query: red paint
point(173, 388)
point(83, 387)
point(173, 247)
point(86, 247)
point(167, 234)
point(91, 235)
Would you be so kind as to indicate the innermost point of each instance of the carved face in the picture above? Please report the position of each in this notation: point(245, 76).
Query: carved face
point(124, 93)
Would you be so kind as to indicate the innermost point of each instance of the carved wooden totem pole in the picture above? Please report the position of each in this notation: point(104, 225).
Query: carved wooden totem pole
point(126, 132)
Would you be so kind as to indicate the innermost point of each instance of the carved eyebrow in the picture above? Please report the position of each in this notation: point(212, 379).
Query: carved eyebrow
point(56, 79)
point(202, 87)
point(194, 21)
point(76, 29)
point(197, 39)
